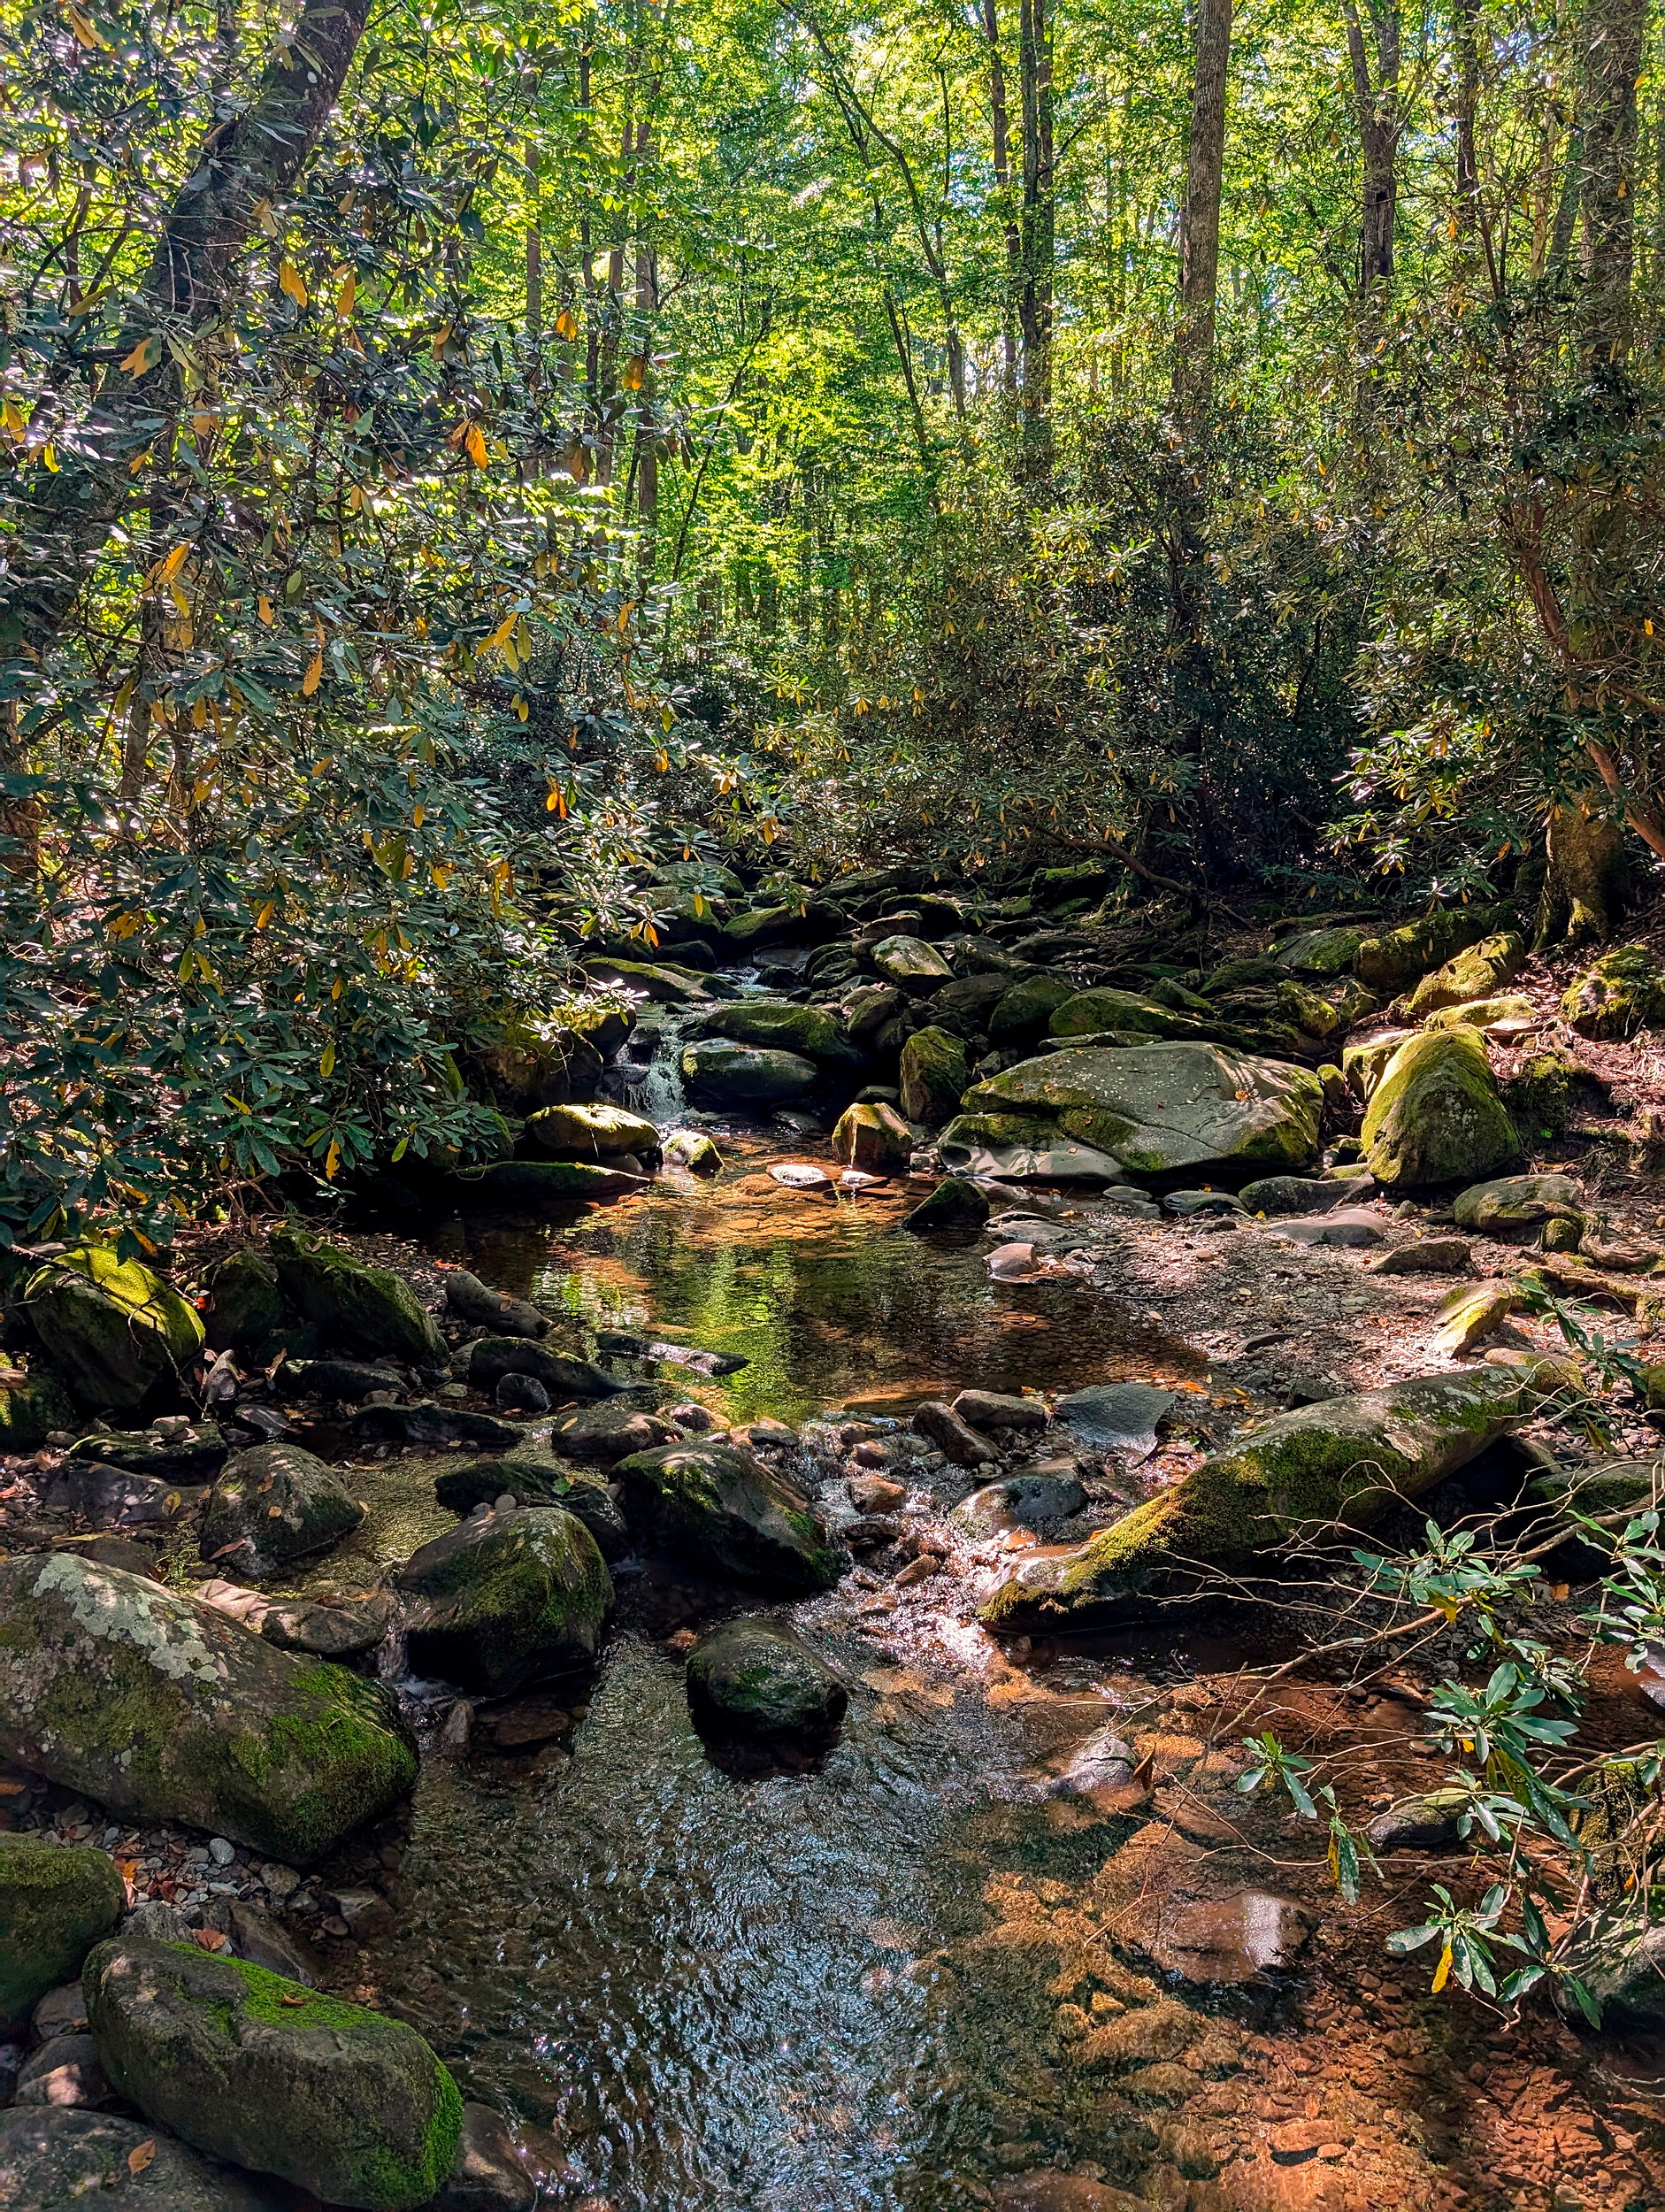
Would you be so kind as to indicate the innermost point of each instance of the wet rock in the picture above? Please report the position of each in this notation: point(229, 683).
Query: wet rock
point(1348, 1226)
point(997, 1409)
point(1023, 1148)
point(724, 1508)
point(1276, 1194)
point(108, 1497)
point(953, 1205)
point(506, 1599)
point(369, 1309)
point(1023, 1501)
point(491, 1357)
point(367, 1912)
point(604, 1434)
point(592, 1133)
point(112, 1328)
point(520, 1393)
point(270, 2075)
point(875, 1493)
point(51, 2161)
point(1026, 1262)
point(246, 1304)
point(1435, 1116)
point(782, 1024)
point(161, 1708)
point(541, 1183)
point(1159, 1106)
point(1517, 1206)
point(933, 1076)
point(1426, 1256)
point(746, 1074)
point(65, 2073)
point(695, 1419)
point(693, 1150)
point(56, 1901)
point(1222, 1941)
point(910, 961)
point(532, 1475)
point(345, 1381)
point(1618, 993)
point(259, 1937)
point(800, 1175)
point(1346, 1460)
point(1478, 971)
point(953, 1437)
point(755, 1677)
point(186, 1452)
point(661, 984)
point(875, 1138)
point(483, 1308)
point(1046, 2191)
point(428, 1425)
point(488, 2174)
point(275, 1504)
point(1115, 1417)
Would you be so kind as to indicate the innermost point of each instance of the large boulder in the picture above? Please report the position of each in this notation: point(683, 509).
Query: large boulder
point(367, 1309)
point(910, 961)
point(271, 2075)
point(1477, 972)
point(1517, 1206)
point(1622, 992)
point(275, 1504)
point(53, 2161)
point(505, 1600)
point(592, 1133)
point(783, 1024)
point(604, 1434)
point(721, 1505)
point(484, 1307)
point(1104, 1009)
point(755, 1678)
point(162, 1708)
point(1435, 1116)
point(1322, 952)
point(1022, 1012)
point(245, 1302)
point(1023, 1148)
point(1392, 962)
point(933, 1076)
point(111, 1327)
point(492, 1357)
point(34, 1408)
point(874, 1137)
point(1155, 1108)
point(56, 1901)
point(746, 1074)
point(1344, 1460)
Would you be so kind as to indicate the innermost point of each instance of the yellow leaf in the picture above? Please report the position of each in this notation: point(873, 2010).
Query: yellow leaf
point(332, 1160)
point(501, 636)
point(440, 337)
point(314, 674)
point(441, 875)
point(49, 455)
point(419, 817)
point(268, 613)
point(266, 221)
point(172, 567)
point(289, 280)
point(348, 294)
point(266, 913)
point(13, 417)
point(566, 324)
point(1442, 1972)
point(635, 372)
point(144, 356)
point(474, 445)
point(326, 1065)
point(140, 2156)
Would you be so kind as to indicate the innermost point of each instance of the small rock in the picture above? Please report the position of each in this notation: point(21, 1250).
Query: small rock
point(520, 1393)
point(695, 1420)
point(264, 1941)
point(367, 1912)
point(1427, 1256)
point(488, 2174)
point(1203, 1202)
point(60, 2012)
point(1417, 1824)
point(529, 1721)
point(472, 1300)
point(872, 1494)
point(1026, 1501)
point(221, 1852)
point(995, 1409)
point(1276, 1194)
point(65, 2073)
point(458, 1731)
point(1469, 1317)
point(957, 1441)
point(280, 1881)
point(1120, 1417)
point(953, 1205)
point(1348, 1225)
point(800, 1175)
point(919, 1569)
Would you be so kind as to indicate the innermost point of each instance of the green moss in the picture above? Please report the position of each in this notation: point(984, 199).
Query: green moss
point(1622, 992)
point(56, 1901)
point(1475, 972)
point(1392, 962)
point(784, 1024)
point(369, 1308)
point(111, 1327)
point(31, 1410)
point(1435, 1116)
point(932, 1075)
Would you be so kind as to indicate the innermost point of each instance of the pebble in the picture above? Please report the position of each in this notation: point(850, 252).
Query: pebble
point(222, 1852)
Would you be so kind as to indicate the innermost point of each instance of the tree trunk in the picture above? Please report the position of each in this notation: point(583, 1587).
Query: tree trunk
point(1585, 890)
point(1607, 199)
point(1001, 129)
point(1468, 176)
point(1200, 220)
point(1037, 228)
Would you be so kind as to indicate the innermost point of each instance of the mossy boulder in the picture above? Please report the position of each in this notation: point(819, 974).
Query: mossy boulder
point(1092, 1013)
point(661, 984)
point(273, 2076)
point(1435, 1116)
point(746, 1074)
point(562, 1375)
point(1322, 952)
point(953, 1205)
point(1076, 880)
point(933, 1076)
point(534, 1476)
point(1362, 1065)
point(720, 1506)
point(536, 1060)
point(910, 961)
point(112, 1328)
point(56, 1900)
point(1478, 970)
point(1539, 1096)
point(693, 1151)
point(1158, 1106)
point(359, 1309)
point(53, 2160)
point(162, 1708)
point(1344, 1460)
point(272, 1505)
point(245, 1302)
point(1022, 1012)
point(1517, 1206)
point(783, 1024)
point(755, 1678)
point(1509, 1012)
point(592, 1133)
point(33, 1409)
point(506, 1599)
point(1394, 961)
point(1615, 997)
point(873, 1137)
point(541, 1183)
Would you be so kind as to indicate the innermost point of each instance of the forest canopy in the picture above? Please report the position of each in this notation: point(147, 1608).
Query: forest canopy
point(459, 462)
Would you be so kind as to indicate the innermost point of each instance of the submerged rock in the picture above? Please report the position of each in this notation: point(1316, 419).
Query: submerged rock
point(488, 2174)
point(693, 1151)
point(56, 1900)
point(367, 1309)
point(51, 2161)
point(506, 1599)
point(543, 1182)
point(267, 2073)
point(1435, 1116)
point(161, 1708)
point(426, 1424)
point(756, 1678)
point(272, 1505)
point(746, 1074)
point(726, 1508)
point(112, 1328)
point(1346, 1460)
point(953, 1205)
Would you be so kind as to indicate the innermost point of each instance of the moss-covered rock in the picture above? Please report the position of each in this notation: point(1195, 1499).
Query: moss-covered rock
point(1392, 962)
point(112, 1328)
point(1079, 879)
point(1435, 1116)
point(952, 1204)
point(245, 1302)
point(755, 1678)
point(362, 1308)
point(273, 2076)
point(1363, 1064)
point(1092, 1013)
point(592, 1133)
point(162, 1708)
point(532, 1475)
point(505, 1600)
point(33, 1409)
point(1346, 1460)
point(535, 1060)
point(1509, 1012)
point(1517, 1206)
point(272, 1505)
point(1479, 971)
point(1322, 952)
point(910, 961)
point(660, 983)
point(541, 1183)
point(693, 1151)
point(1153, 1107)
point(873, 1137)
point(746, 1074)
point(1022, 1012)
point(1615, 997)
point(720, 1505)
point(933, 1076)
point(56, 1900)
point(564, 1376)
point(783, 1024)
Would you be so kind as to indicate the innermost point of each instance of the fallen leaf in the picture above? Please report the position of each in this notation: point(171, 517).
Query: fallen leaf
point(140, 2156)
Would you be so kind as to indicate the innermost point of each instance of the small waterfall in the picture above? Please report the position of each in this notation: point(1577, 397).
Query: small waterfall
point(653, 1086)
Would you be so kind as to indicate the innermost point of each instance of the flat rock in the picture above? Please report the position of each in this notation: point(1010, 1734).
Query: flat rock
point(186, 1452)
point(483, 1308)
point(998, 1410)
point(109, 1497)
point(488, 2174)
point(1115, 1417)
point(1348, 1225)
point(952, 1435)
point(1276, 1194)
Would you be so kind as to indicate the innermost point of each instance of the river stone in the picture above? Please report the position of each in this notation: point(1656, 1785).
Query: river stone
point(161, 1708)
point(875, 1138)
point(272, 1505)
point(112, 1328)
point(532, 1475)
point(66, 2161)
point(1622, 992)
point(56, 1900)
point(1347, 1459)
point(491, 1357)
point(932, 1076)
point(426, 1424)
point(1276, 1194)
point(1090, 1013)
point(1423, 1255)
point(345, 1381)
point(1115, 1417)
point(1435, 1116)
point(108, 1497)
point(746, 1074)
point(541, 1183)
point(1156, 1108)
point(367, 1309)
point(1362, 1066)
point(268, 2074)
point(726, 1508)
point(189, 1453)
point(1349, 1225)
point(783, 1024)
point(605, 1434)
point(591, 1133)
point(483, 1308)
point(1497, 1015)
point(662, 985)
point(953, 1205)
point(1021, 1013)
point(486, 2174)
point(65, 2072)
point(1516, 1206)
point(692, 1150)
point(245, 1302)
point(33, 1409)
point(1321, 951)
point(998, 1410)
point(1013, 1148)
point(1478, 971)
point(506, 1599)
point(756, 1678)
point(1019, 1501)
point(909, 961)
point(955, 1438)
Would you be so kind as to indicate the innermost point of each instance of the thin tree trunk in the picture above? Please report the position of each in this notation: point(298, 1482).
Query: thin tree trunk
point(1612, 63)
point(1038, 224)
point(534, 255)
point(1200, 219)
point(1375, 102)
point(1467, 177)
point(1001, 128)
